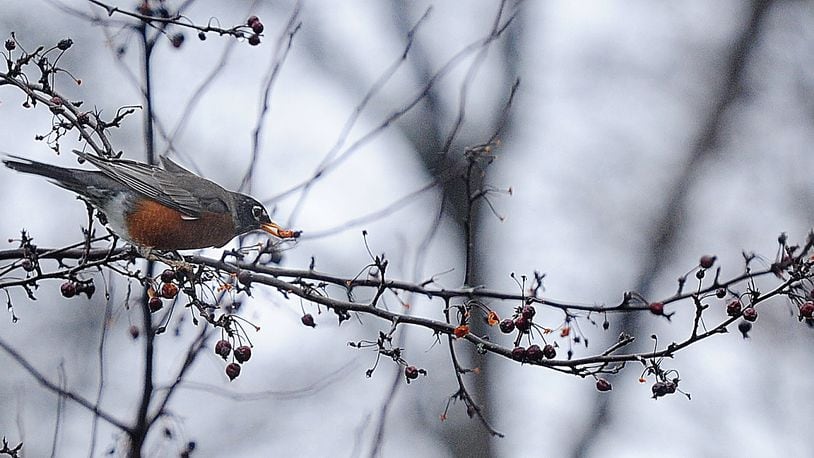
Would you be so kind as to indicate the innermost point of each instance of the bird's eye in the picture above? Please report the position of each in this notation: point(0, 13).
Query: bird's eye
point(258, 211)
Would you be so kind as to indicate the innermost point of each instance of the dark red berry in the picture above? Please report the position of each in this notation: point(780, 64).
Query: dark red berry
point(308, 320)
point(243, 353)
point(549, 351)
point(232, 370)
point(10, 45)
point(721, 293)
point(177, 40)
point(155, 304)
point(534, 353)
point(64, 44)
point(733, 308)
point(707, 261)
point(528, 312)
point(168, 276)
point(257, 27)
point(89, 289)
point(659, 389)
point(522, 323)
point(749, 314)
point(254, 40)
point(807, 309)
point(507, 326)
point(68, 289)
point(223, 348)
point(144, 8)
point(603, 385)
point(656, 308)
point(252, 20)
point(169, 290)
point(56, 100)
point(671, 386)
point(411, 372)
point(700, 274)
point(134, 332)
point(201, 36)
point(519, 354)
point(27, 265)
point(744, 327)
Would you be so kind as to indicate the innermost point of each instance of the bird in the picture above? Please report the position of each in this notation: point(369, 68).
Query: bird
point(166, 208)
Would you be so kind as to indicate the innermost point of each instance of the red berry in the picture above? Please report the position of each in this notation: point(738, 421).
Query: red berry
point(308, 320)
point(534, 353)
point(243, 353)
point(603, 385)
point(223, 347)
point(519, 354)
point(168, 276)
point(749, 314)
point(528, 312)
point(411, 372)
point(155, 304)
point(254, 40)
point(656, 308)
point(522, 323)
point(507, 326)
point(707, 261)
point(549, 351)
point(807, 309)
point(169, 290)
point(177, 40)
point(233, 370)
point(733, 308)
point(68, 289)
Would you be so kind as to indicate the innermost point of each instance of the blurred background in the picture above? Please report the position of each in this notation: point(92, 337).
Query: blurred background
point(642, 136)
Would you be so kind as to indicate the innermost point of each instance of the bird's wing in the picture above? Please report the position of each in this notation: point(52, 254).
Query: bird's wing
point(151, 181)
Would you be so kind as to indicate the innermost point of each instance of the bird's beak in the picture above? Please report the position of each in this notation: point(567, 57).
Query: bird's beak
point(277, 231)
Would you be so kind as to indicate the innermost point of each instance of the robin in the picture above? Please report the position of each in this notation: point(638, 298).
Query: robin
point(156, 208)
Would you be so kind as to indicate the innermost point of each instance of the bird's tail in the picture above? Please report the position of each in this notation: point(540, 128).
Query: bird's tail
point(64, 177)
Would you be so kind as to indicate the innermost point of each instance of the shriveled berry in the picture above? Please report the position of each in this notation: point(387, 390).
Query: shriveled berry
point(243, 353)
point(733, 308)
point(411, 372)
point(519, 354)
point(749, 314)
point(223, 348)
point(744, 327)
point(168, 275)
point(169, 290)
point(257, 27)
point(656, 308)
point(603, 385)
point(177, 40)
point(707, 261)
point(254, 40)
point(232, 370)
point(807, 309)
point(64, 44)
point(549, 351)
point(308, 320)
point(671, 386)
point(534, 353)
point(507, 326)
point(155, 304)
point(68, 289)
point(201, 36)
point(89, 289)
point(522, 323)
point(528, 312)
point(10, 45)
point(659, 389)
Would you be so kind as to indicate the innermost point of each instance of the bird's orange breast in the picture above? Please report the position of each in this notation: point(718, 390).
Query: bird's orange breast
point(157, 226)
